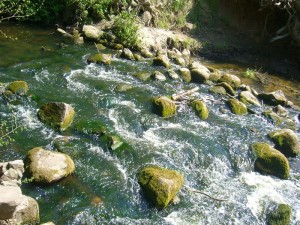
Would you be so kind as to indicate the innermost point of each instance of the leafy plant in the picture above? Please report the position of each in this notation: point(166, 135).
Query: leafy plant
point(126, 28)
point(250, 73)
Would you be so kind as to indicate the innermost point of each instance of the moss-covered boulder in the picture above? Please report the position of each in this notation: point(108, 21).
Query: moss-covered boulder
point(200, 108)
point(137, 56)
point(270, 161)
point(286, 141)
point(160, 185)
point(127, 54)
point(236, 106)
point(185, 74)
point(274, 98)
point(280, 216)
point(92, 33)
point(272, 117)
point(156, 75)
point(180, 61)
point(143, 76)
point(100, 58)
point(47, 166)
point(218, 90)
point(227, 87)
point(58, 115)
point(164, 106)
point(18, 87)
point(281, 111)
point(162, 60)
point(248, 98)
point(172, 74)
point(232, 80)
point(146, 53)
point(199, 72)
point(123, 87)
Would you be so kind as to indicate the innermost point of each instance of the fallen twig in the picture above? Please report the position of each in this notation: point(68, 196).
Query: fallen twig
point(203, 193)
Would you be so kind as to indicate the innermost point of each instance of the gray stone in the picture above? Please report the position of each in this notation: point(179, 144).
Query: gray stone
point(11, 197)
point(173, 75)
point(158, 76)
point(92, 33)
point(232, 80)
point(127, 54)
point(274, 98)
point(248, 98)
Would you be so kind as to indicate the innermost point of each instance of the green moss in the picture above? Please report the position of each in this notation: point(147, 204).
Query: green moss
point(162, 60)
point(227, 87)
point(280, 216)
point(18, 87)
point(201, 109)
point(218, 90)
point(164, 106)
point(160, 185)
point(236, 106)
point(100, 58)
point(232, 80)
point(143, 76)
point(273, 117)
point(185, 74)
point(270, 161)
point(90, 127)
point(286, 141)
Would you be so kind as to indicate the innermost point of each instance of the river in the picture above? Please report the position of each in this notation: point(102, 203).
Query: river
point(213, 155)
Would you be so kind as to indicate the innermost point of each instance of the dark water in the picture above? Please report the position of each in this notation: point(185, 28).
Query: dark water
point(213, 155)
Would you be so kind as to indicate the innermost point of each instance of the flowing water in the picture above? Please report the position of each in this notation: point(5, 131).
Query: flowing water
point(213, 155)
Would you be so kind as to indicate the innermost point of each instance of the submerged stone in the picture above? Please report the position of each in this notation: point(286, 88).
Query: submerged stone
point(286, 141)
point(48, 166)
point(18, 87)
point(91, 127)
point(270, 161)
point(164, 106)
point(100, 58)
point(236, 106)
point(160, 185)
point(58, 115)
point(173, 75)
point(280, 216)
point(201, 109)
point(123, 87)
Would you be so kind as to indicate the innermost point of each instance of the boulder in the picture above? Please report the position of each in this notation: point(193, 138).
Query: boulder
point(162, 60)
point(116, 46)
point(11, 173)
point(230, 79)
point(146, 53)
point(18, 87)
point(127, 54)
point(47, 166)
point(123, 87)
point(27, 212)
point(143, 76)
point(156, 75)
point(58, 115)
point(273, 117)
point(236, 106)
point(280, 216)
point(248, 98)
point(270, 161)
point(274, 98)
point(227, 87)
point(180, 61)
point(137, 57)
point(218, 90)
point(160, 185)
point(11, 198)
point(173, 75)
point(281, 111)
point(92, 33)
point(199, 75)
point(185, 74)
point(201, 109)
point(286, 141)
point(114, 142)
point(164, 106)
point(100, 58)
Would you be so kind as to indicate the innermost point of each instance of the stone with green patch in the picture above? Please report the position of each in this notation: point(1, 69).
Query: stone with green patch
point(143, 76)
point(280, 216)
point(274, 98)
point(18, 87)
point(236, 106)
point(273, 117)
point(200, 108)
point(185, 74)
point(248, 98)
point(100, 58)
point(162, 60)
point(230, 79)
point(270, 161)
point(160, 185)
point(164, 106)
point(90, 127)
point(227, 87)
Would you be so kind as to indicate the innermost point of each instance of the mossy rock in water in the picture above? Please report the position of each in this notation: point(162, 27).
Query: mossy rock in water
point(248, 98)
point(48, 166)
point(90, 127)
point(127, 54)
point(160, 185)
point(137, 57)
point(164, 106)
point(9, 96)
point(200, 75)
point(230, 79)
point(201, 109)
point(274, 98)
point(280, 216)
point(162, 60)
point(270, 161)
point(18, 87)
point(185, 74)
point(236, 106)
point(123, 87)
point(58, 115)
point(227, 87)
point(286, 141)
point(273, 117)
point(100, 58)
point(143, 76)
point(218, 90)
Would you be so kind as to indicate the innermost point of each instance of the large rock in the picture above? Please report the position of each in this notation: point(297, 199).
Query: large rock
point(201, 109)
point(27, 212)
point(156, 75)
point(127, 54)
point(185, 74)
point(273, 117)
point(218, 90)
point(248, 98)
point(164, 106)
point(58, 115)
point(270, 161)
point(199, 72)
point(100, 58)
point(274, 98)
point(236, 106)
point(160, 185)
point(173, 75)
point(11, 197)
point(11, 173)
point(230, 79)
point(48, 166)
point(229, 90)
point(280, 216)
point(18, 87)
point(92, 33)
point(162, 60)
point(286, 141)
